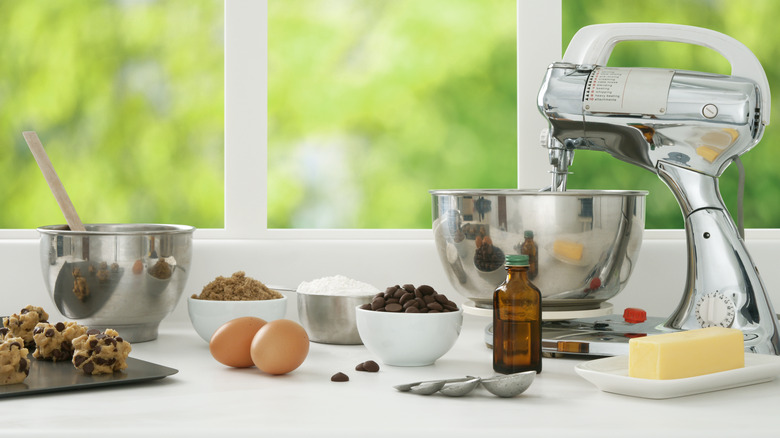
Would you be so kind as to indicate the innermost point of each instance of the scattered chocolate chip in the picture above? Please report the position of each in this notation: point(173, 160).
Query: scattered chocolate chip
point(339, 377)
point(370, 366)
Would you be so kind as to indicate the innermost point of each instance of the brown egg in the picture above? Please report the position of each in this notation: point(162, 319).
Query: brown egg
point(280, 346)
point(231, 342)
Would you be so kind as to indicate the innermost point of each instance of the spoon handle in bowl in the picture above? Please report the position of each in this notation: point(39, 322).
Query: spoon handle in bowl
point(63, 200)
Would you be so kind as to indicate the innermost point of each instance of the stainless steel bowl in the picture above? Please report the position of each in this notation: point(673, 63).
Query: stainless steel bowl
point(587, 241)
point(330, 319)
point(122, 276)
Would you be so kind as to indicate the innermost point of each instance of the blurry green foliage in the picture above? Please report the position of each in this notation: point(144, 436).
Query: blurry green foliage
point(127, 98)
point(374, 102)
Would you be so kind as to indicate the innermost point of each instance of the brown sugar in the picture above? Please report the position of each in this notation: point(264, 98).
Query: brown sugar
point(238, 287)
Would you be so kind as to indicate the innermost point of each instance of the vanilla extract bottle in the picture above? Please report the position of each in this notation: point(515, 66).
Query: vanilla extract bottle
point(517, 320)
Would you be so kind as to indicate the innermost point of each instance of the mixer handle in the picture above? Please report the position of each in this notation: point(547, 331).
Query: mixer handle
point(594, 44)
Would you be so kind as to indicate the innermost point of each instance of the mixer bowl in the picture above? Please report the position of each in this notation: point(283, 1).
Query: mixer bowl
point(127, 277)
point(587, 241)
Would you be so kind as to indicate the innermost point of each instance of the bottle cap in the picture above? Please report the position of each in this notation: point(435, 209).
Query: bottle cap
point(528, 234)
point(516, 260)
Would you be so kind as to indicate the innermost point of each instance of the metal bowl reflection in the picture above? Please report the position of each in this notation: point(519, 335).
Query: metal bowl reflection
point(587, 242)
point(122, 276)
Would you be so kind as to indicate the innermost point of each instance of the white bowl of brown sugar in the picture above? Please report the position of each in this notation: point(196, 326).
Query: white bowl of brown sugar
point(228, 298)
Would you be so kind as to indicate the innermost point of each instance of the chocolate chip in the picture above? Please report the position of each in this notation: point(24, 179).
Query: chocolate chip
point(441, 299)
point(109, 341)
point(22, 364)
point(93, 343)
point(366, 306)
point(377, 303)
point(15, 344)
point(101, 336)
point(393, 307)
point(339, 377)
point(409, 287)
point(37, 330)
point(88, 368)
point(426, 290)
point(59, 326)
point(93, 332)
point(78, 360)
point(4, 331)
point(435, 306)
point(49, 333)
point(99, 361)
point(412, 310)
point(23, 311)
point(405, 298)
point(97, 349)
point(119, 339)
point(399, 293)
point(359, 367)
point(370, 366)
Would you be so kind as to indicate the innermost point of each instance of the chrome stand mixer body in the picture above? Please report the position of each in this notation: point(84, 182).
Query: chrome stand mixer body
point(686, 127)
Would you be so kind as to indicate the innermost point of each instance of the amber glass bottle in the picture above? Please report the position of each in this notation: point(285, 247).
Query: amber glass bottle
point(530, 249)
point(517, 320)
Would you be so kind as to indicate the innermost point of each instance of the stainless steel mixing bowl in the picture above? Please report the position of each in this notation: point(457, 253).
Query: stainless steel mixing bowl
point(587, 241)
point(122, 276)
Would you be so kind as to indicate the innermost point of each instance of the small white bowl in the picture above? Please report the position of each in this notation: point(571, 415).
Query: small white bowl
point(408, 339)
point(207, 316)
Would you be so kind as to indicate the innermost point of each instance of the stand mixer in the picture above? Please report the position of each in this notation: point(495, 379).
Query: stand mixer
point(686, 127)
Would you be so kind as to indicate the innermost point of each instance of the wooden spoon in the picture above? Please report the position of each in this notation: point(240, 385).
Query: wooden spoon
point(71, 217)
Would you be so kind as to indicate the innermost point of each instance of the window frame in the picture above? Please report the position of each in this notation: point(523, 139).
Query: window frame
point(246, 122)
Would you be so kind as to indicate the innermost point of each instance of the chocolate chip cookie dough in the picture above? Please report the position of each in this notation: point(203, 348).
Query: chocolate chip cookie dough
point(14, 366)
point(22, 324)
point(55, 342)
point(100, 353)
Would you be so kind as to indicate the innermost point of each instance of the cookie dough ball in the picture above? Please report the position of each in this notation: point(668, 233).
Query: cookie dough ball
point(55, 342)
point(100, 353)
point(22, 324)
point(14, 366)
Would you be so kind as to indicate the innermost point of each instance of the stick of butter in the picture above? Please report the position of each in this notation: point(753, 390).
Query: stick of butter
point(686, 354)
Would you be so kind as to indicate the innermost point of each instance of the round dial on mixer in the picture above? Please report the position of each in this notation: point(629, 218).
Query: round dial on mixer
point(715, 310)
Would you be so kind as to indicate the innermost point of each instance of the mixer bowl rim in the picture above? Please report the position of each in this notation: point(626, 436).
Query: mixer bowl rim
point(535, 192)
point(117, 229)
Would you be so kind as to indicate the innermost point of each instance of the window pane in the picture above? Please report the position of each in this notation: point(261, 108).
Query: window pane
point(755, 26)
point(127, 98)
point(373, 103)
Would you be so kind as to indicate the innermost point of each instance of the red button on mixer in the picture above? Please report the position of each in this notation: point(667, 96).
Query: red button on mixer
point(633, 315)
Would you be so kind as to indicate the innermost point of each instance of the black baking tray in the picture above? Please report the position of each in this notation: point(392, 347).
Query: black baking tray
point(46, 376)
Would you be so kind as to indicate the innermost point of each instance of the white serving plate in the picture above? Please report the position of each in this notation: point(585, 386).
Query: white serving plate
point(610, 374)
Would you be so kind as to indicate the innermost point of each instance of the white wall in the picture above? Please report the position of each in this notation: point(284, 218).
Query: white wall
point(656, 284)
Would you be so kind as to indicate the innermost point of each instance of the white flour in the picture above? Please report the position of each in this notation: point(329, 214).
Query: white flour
point(336, 285)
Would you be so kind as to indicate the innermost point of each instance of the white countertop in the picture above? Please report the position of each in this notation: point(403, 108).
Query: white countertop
point(206, 398)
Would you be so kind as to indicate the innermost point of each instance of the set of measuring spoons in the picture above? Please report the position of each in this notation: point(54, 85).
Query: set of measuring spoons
point(509, 385)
